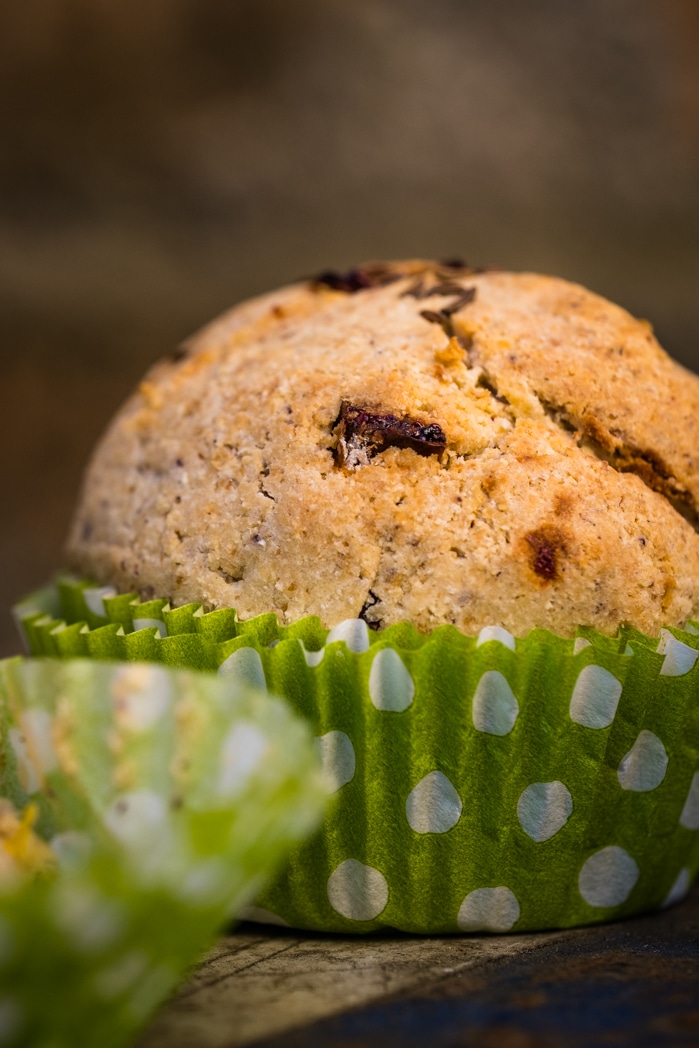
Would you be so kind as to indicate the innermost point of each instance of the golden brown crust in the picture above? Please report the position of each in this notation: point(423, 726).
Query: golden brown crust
point(443, 445)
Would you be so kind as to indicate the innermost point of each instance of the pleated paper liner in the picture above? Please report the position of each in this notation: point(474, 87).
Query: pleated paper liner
point(167, 798)
point(481, 783)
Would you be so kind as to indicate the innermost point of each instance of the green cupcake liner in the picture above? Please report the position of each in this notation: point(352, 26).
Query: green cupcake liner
point(480, 783)
point(168, 798)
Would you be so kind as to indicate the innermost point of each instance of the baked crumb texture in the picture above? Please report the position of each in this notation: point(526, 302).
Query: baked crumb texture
point(413, 441)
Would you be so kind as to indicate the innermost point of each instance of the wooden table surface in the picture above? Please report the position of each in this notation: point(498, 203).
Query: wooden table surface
point(634, 983)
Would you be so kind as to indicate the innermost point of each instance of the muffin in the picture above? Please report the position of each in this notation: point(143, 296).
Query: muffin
point(449, 514)
point(413, 443)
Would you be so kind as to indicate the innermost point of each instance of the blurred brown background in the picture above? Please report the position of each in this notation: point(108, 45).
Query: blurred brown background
point(161, 159)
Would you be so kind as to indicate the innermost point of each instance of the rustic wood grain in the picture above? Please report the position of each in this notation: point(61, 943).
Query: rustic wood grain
point(279, 987)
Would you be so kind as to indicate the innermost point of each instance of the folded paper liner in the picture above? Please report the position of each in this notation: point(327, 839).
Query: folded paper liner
point(155, 804)
point(479, 783)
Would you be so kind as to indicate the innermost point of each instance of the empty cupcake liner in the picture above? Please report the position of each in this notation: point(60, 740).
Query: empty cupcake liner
point(479, 783)
point(166, 798)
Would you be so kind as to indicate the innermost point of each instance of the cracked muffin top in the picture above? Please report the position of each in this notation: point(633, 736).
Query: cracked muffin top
point(408, 441)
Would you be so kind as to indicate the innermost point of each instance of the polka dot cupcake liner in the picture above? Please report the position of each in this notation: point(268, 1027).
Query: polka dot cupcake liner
point(479, 783)
point(166, 798)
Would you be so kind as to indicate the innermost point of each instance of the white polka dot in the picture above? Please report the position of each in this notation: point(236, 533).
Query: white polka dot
point(433, 806)
point(543, 809)
point(72, 850)
point(94, 598)
point(145, 624)
point(243, 750)
point(313, 658)
point(137, 818)
point(357, 891)
point(495, 708)
point(26, 772)
point(488, 910)
point(261, 916)
point(354, 632)
point(390, 685)
point(337, 754)
point(595, 697)
point(497, 633)
point(245, 666)
point(33, 748)
point(608, 877)
point(679, 889)
point(37, 727)
point(141, 695)
point(206, 883)
point(690, 813)
point(580, 644)
point(691, 628)
point(644, 766)
point(679, 658)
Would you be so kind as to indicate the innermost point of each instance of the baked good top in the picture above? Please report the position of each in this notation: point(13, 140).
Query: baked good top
point(415, 441)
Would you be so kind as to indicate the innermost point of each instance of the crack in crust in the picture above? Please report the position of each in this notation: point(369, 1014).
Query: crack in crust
point(362, 434)
point(372, 600)
point(444, 316)
point(484, 381)
point(623, 455)
point(419, 290)
point(610, 446)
